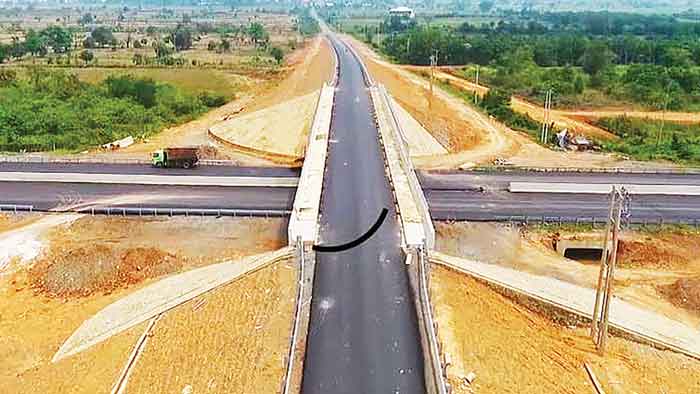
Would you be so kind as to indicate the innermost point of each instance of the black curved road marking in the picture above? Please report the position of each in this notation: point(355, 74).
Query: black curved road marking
point(358, 241)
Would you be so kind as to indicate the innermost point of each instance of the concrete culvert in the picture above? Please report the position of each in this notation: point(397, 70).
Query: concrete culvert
point(584, 254)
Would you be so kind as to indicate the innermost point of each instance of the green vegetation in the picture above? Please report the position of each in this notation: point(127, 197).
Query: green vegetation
point(497, 104)
point(644, 139)
point(55, 110)
point(615, 58)
point(306, 25)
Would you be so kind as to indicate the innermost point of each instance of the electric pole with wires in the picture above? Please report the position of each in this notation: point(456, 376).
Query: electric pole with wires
point(618, 214)
point(544, 135)
point(433, 64)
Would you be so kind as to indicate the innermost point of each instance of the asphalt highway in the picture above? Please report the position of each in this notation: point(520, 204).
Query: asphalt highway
point(484, 196)
point(497, 206)
point(81, 196)
point(363, 335)
point(466, 180)
point(140, 169)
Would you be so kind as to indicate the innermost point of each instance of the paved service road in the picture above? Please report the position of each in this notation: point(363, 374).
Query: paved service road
point(144, 169)
point(363, 335)
point(48, 196)
point(460, 180)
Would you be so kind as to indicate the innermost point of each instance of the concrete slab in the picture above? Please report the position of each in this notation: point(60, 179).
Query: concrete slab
point(307, 201)
point(602, 188)
point(161, 296)
point(637, 322)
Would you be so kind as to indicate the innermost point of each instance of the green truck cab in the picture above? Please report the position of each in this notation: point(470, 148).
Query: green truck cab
point(175, 158)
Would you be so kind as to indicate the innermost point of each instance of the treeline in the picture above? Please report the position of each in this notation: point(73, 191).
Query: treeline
point(416, 44)
point(54, 110)
point(165, 43)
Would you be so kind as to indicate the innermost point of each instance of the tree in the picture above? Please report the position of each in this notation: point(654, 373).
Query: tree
point(86, 56)
point(34, 43)
point(103, 36)
point(674, 56)
point(256, 31)
point(86, 19)
point(596, 58)
point(277, 53)
point(181, 38)
point(4, 52)
point(164, 52)
point(58, 38)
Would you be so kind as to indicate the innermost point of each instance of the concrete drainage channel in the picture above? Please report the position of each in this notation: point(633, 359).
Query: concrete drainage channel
point(418, 233)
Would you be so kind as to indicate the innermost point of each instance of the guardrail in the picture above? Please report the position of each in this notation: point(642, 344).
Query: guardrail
point(435, 379)
point(307, 201)
point(587, 220)
point(155, 211)
point(605, 170)
point(91, 160)
point(336, 58)
point(16, 208)
point(407, 165)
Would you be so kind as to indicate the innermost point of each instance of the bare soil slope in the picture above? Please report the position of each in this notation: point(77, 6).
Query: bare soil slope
point(514, 350)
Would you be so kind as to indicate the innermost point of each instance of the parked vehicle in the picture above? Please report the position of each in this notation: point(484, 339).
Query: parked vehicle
point(175, 157)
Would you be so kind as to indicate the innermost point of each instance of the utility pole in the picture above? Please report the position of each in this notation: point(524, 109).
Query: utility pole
point(619, 209)
point(545, 122)
point(663, 114)
point(433, 64)
point(476, 80)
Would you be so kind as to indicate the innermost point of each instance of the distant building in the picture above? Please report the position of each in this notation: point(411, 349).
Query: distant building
point(402, 12)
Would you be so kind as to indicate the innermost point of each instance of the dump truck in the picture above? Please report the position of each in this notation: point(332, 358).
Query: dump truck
point(175, 157)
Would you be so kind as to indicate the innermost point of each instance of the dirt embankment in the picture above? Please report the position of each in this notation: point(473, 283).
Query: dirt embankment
point(96, 261)
point(648, 274)
point(232, 340)
point(514, 350)
point(470, 136)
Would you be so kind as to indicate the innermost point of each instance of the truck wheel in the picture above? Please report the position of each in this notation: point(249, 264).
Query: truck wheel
point(186, 165)
point(159, 164)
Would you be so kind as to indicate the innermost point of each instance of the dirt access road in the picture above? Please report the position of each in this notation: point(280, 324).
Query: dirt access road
point(470, 136)
point(573, 119)
point(94, 261)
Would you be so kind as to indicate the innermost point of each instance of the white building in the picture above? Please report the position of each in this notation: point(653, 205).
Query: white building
point(403, 12)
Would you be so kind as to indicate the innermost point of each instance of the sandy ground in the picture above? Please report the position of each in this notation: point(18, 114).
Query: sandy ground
point(232, 340)
point(420, 141)
point(278, 119)
point(648, 262)
point(41, 305)
point(513, 350)
point(281, 128)
point(22, 240)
